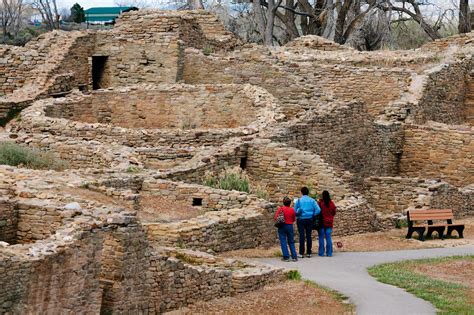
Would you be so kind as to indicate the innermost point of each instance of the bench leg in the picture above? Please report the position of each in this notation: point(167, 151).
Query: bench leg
point(459, 229)
point(419, 230)
point(438, 229)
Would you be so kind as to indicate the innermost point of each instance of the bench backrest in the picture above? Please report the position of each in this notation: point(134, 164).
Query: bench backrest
point(431, 215)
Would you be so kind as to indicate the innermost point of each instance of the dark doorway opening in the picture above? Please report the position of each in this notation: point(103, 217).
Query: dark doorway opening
point(243, 163)
point(100, 78)
point(197, 201)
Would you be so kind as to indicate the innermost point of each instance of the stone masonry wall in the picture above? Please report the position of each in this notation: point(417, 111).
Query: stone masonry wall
point(37, 220)
point(299, 82)
point(217, 231)
point(8, 221)
point(439, 152)
point(52, 278)
point(346, 136)
point(124, 269)
point(184, 194)
point(181, 107)
point(395, 195)
point(444, 93)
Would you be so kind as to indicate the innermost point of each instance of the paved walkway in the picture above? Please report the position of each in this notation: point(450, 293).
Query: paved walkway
point(347, 273)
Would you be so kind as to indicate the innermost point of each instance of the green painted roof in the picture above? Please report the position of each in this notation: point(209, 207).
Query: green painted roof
point(104, 14)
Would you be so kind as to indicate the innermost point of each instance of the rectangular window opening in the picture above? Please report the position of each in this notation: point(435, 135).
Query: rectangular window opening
point(197, 201)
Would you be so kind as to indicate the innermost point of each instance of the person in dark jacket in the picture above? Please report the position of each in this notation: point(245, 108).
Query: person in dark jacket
point(285, 233)
point(328, 211)
point(306, 209)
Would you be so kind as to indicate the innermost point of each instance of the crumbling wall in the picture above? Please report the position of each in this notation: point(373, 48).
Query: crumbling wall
point(124, 265)
point(37, 220)
point(55, 277)
point(444, 92)
point(8, 220)
point(440, 152)
point(182, 277)
point(346, 136)
point(217, 231)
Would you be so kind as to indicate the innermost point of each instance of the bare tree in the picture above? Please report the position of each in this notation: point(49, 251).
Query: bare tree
point(464, 25)
point(11, 13)
point(411, 8)
point(48, 10)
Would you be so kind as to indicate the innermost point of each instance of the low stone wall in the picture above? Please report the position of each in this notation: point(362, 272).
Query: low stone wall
point(440, 152)
point(217, 231)
point(392, 196)
point(35, 120)
point(182, 277)
point(8, 221)
point(52, 276)
point(209, 199)
point(169, 107)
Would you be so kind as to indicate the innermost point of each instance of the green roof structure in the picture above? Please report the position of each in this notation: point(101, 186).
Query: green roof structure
point(105, 14)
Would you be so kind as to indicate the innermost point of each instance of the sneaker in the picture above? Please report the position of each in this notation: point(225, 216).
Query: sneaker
point(308, 255)
point(294, 259)
point(300, 256)
point(285, 259)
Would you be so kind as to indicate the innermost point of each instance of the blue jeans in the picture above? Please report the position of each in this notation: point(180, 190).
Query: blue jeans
point(305, 227)
point(325, 233)
point(287, 237)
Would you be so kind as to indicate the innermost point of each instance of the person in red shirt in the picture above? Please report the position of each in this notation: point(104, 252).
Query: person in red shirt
point(328, 211)
point(286, 233)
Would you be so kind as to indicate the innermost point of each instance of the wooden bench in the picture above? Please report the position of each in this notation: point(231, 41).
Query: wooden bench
point(414, 216)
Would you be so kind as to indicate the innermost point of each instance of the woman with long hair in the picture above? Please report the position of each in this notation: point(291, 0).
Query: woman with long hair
point(328, 211)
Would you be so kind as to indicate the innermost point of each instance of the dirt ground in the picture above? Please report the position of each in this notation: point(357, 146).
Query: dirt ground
point(459, 271)
point(369, 242)
point(287, 297)
point(158, 209)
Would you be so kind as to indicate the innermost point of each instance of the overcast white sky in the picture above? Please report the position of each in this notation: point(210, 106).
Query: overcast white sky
point(106, 3)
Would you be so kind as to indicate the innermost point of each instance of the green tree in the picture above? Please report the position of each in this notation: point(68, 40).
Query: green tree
point(77, 14)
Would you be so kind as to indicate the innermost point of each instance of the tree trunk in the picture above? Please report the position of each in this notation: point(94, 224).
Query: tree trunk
point(464, 17)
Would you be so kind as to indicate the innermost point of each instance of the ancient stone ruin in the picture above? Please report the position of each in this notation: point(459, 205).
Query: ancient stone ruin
point(143, 113)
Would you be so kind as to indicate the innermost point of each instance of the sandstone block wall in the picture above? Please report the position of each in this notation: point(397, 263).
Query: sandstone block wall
point(282, 171)
point(346, 136)
point(185, 194)
point(217, 231)
point(37, 220)
point(8, 221)
point(181, 107)
point(439, 152)
point(124, 268)
point(443, 97)
point(52, 278)
point(181, 277)
point(299, 82)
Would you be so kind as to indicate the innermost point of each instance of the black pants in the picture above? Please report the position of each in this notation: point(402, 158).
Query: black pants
point(305, 227)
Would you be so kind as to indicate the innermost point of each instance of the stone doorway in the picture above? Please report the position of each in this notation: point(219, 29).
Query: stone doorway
point(100, 73)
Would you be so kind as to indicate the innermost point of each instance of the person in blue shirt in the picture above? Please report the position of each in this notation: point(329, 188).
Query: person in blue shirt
point(306, 209)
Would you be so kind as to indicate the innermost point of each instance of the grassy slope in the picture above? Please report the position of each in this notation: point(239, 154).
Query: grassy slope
point(447, 297)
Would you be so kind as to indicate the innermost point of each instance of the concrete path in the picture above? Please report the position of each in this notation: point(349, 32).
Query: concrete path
point(347, 273)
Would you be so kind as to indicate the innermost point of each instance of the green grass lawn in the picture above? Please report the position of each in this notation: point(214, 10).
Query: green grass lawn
point(447, 297)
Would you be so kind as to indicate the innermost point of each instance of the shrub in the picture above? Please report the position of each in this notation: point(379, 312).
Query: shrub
point(233, 179)
point(133, 169)
point(207, 50)
point(18, 155)
point(293, 275)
